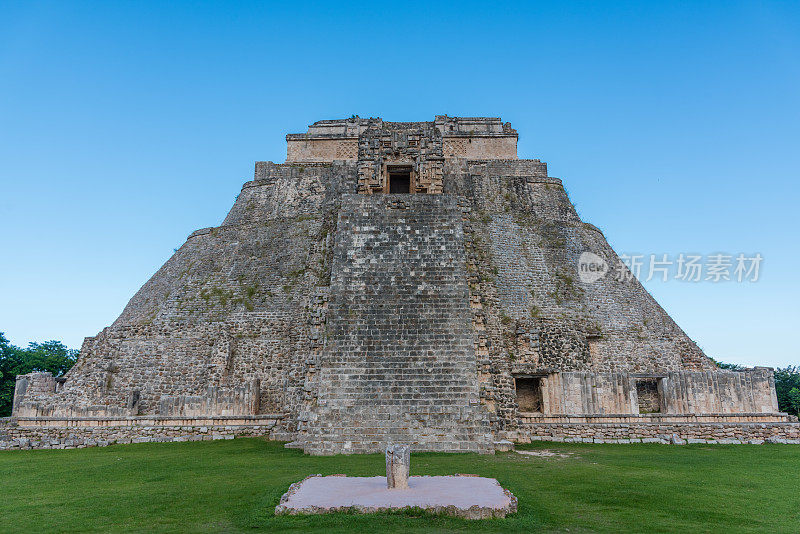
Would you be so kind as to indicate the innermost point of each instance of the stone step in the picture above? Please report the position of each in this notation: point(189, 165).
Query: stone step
point(400, 362)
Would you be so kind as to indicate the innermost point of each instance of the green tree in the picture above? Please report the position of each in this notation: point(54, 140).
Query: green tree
point(9, 363)
point(794, 400)
point(52, 356)
point(729, 366)
point(787, 386)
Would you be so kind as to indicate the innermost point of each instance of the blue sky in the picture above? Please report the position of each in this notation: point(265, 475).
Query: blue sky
point(124, 126)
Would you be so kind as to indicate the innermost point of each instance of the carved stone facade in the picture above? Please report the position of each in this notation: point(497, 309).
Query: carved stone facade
point(395, 281)
point(417, 148)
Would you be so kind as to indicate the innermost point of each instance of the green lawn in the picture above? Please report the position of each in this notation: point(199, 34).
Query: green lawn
point(231, 486)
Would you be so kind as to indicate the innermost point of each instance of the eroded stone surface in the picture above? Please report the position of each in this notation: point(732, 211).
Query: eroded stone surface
point(470, 497)
point(398, 466)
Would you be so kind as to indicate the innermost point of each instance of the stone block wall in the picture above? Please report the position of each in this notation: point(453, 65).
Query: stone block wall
point(677, 392)
point(531, 239)
point(720, 392)
point(44, 433)
point(238, 400)
point(399, 364)
point(665, 433)
point(464, 137)
point(478, 147)
point(589, 393)
point(320, 149)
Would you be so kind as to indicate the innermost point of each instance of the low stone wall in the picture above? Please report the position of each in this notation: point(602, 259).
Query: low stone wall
point(73, 433)
point(675, 433)
point(527, 419)
point(66, 433)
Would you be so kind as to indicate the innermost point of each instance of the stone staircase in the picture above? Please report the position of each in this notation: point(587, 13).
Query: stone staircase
point(400, 363)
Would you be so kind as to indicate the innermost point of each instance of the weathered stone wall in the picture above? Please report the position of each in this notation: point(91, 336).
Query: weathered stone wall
point(464, 137)
point(589, 393)
point(320, 149)
point(66, 434)
point(532, 239)
point(244, 399)
point(399, 365)
point(678, 392)
point(674, 433)
point(720, 392)
point(476, 147)
point(472, 126)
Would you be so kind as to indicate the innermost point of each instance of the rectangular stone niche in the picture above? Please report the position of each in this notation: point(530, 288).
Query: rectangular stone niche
point(649, 395)
point(399, 178)
point(529, 393)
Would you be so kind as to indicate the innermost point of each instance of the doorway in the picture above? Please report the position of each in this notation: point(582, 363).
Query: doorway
point(399, 179)
point(529, 393)
point(648, 395)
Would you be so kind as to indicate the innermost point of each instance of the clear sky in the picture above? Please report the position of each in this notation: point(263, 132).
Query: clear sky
point(124, 126)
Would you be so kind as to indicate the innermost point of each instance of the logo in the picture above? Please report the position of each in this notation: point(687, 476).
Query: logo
point(591, 267)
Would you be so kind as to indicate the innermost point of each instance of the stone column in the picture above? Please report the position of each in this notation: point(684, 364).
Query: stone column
point(398, 465)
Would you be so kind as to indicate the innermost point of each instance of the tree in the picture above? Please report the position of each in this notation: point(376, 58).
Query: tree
point(728, 366)
point(9, 363)
point(794, 400)
point(52, 356)
point(787, 386)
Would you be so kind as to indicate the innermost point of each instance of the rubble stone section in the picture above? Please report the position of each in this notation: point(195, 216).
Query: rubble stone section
point(400, 362)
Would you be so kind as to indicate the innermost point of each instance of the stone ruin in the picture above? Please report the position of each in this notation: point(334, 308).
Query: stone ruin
point(409, 282)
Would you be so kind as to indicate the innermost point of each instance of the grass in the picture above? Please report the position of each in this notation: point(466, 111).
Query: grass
point(233, 486)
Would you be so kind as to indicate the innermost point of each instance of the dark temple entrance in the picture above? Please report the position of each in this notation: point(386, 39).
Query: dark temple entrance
point(647, 391)
point(400, 179)
point(529, 393)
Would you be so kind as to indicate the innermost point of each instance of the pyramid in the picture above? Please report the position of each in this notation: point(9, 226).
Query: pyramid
point(398, 282)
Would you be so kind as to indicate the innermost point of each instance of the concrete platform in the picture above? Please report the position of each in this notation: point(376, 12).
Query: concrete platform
point(466, 496)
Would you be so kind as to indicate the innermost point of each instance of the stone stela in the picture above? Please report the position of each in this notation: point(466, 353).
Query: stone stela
point(398, 466)
point(395, 282)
